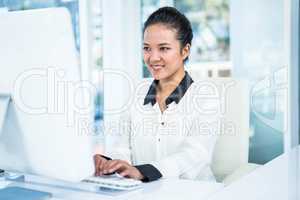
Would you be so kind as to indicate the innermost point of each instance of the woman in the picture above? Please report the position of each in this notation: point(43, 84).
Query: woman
point(163, 137)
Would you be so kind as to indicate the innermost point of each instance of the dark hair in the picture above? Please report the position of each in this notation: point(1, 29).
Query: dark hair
point(171, 17)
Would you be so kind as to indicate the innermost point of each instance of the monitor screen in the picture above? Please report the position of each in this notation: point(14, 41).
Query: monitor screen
point(47, 127)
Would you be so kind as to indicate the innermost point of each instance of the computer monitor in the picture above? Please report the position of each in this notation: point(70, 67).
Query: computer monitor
point(47, 125)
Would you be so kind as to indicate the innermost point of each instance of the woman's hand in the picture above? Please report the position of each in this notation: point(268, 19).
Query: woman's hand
point(123, 168)
point(99, 163)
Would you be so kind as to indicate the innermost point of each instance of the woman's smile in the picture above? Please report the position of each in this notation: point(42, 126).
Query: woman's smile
point(157, 67)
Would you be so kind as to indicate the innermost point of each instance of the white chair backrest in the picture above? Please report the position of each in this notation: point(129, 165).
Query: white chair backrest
point(232, 147)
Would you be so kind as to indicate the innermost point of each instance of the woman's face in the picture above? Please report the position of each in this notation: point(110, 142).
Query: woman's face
point(162, 53)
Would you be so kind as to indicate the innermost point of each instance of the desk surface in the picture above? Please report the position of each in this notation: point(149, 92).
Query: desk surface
point(163, 189)
point(276, 180)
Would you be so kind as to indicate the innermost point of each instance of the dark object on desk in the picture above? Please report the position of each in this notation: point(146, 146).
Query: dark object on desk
point(19, 193)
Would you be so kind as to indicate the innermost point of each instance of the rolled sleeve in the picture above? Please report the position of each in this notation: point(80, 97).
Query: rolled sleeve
point(149, 172)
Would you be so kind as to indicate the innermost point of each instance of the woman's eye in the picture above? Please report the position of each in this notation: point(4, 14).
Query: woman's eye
point(164, 48)
point(146, 49)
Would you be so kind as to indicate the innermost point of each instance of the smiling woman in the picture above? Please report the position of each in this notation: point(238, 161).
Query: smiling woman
point(162, 52)
point(167, 40)
point(210, 21)
point(158, 139)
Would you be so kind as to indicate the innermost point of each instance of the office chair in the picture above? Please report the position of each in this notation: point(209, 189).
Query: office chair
point(230, 156)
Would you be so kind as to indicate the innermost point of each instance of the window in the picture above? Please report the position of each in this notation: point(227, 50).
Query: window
point(258, 54)
point(95, 18)
point(210, 23)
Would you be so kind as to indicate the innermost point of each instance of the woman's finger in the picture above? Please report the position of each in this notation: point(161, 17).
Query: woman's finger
point(117, 167)
point(107, 165)
point(126, 173)
point(101, 165)
point(97, 162)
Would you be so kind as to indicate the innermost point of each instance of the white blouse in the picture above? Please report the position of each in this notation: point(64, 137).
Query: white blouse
point(178, 142)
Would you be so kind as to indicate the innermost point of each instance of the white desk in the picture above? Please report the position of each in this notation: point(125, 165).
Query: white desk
point(163, 189)
point(276, 180)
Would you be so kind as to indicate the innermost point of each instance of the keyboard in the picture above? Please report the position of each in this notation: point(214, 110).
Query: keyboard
point(114, 181)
